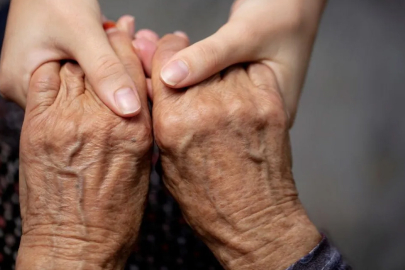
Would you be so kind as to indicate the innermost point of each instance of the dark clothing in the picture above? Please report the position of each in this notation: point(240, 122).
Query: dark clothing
point(322, 257)
point(3, 18)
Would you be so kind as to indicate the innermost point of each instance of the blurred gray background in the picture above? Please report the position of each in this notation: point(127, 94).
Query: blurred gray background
point(349, 137)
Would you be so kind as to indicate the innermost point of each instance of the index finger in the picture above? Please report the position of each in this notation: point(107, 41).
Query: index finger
point(122, 45)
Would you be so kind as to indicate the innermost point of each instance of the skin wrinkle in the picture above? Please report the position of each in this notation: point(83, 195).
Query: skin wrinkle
point(280, 241)
point(207, 169)
point(245, 208)
point(206, 184)
point(70, 236)
point(58, 217)
point(230, 171)
point(250, 257)
point(105, 171)
point(255, 259)
point(80, 207)
point(252, 217)
point(55, 239)
point(257, 159)
point(86, 190)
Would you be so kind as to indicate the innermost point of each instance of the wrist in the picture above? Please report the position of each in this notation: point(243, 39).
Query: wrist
point(281, 242)
point(50, 253)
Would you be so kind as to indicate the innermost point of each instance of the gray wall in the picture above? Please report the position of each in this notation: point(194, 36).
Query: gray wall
point(349, 137)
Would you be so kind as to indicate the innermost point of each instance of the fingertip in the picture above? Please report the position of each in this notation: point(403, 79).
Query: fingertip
point(129, 98)
point(127, 24)
point(127, 101)
point(181, 34)
point(167, 65)
point(112, 68)
point(174, 41)
point(143, 45)
point(166, 51)
point(147, 34)
point(145, 50)
point(174, 73)
point(203, 59)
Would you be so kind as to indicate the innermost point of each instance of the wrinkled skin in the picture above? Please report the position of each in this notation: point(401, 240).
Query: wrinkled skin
point(226, 158)
point(84, 170)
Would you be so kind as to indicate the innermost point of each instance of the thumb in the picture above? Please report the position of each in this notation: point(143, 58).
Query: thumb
point(111, 82)
point(207, 57)
point(166, 48)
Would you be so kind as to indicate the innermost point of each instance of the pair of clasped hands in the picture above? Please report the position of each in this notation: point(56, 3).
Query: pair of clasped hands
point(222, 128)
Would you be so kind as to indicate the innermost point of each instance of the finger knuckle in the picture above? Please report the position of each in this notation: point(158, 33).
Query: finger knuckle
point(45, 82)
point(169, 129)
point(53, 141)
point(175, 129)
point(239, 109)
point(120, 135)
point(144, 137)
point(132, 64)
point(271, 111)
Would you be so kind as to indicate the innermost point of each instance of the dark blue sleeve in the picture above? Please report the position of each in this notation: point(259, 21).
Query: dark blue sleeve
point(322, 257)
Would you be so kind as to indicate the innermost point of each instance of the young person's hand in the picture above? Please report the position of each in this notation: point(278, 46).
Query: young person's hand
point(43, 31)
point(277, 33)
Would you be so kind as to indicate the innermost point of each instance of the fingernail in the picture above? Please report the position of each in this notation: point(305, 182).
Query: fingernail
point(127, 24)
point(127, 101)
point(174, 72)
point(131, 26)
point(180, 34)
point(108, 25)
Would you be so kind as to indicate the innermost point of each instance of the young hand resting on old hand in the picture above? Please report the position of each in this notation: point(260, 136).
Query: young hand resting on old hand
point(84, 171)
point(277, 33)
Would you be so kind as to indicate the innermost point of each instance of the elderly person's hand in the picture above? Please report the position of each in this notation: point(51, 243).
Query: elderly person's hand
point(226, 158)
point(84, 170)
